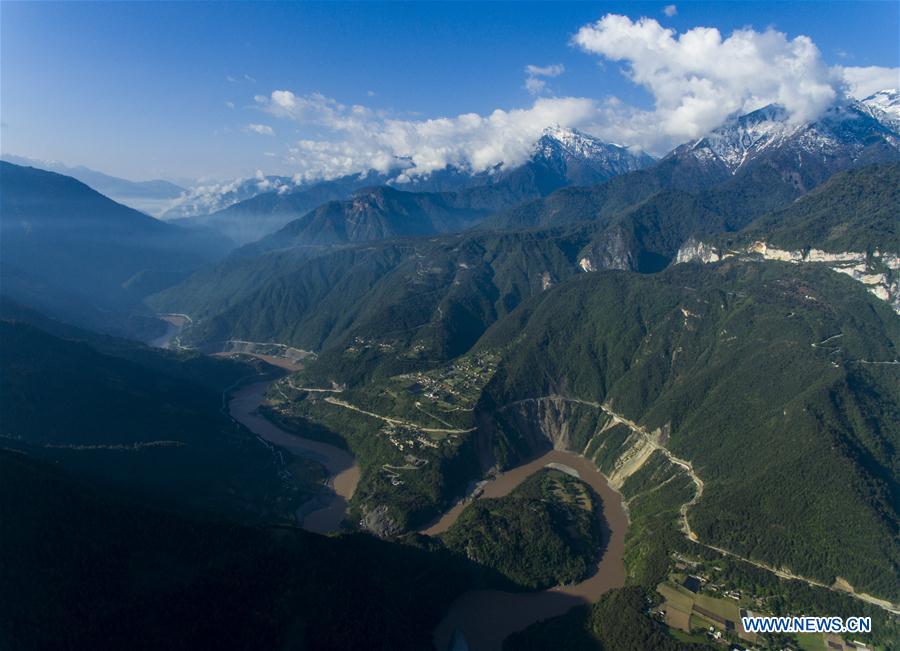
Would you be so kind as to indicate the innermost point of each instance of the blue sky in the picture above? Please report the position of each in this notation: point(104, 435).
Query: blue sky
point(170, 90)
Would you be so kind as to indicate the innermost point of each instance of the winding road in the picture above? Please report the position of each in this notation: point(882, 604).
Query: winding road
point(483, 617)
point(486, 617)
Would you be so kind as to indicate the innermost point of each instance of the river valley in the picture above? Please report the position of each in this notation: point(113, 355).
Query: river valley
point(483, 617)
point(486, 617)
point(342, 469)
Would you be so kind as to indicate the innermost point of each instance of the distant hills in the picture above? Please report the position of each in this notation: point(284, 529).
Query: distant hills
point(848, 224)
point(206, 198)
point(377, 214)
point(262, 211)
point(440, 294)
point(637, 221)
point(562, 157)
point(151, 197)
point(72, 252)
point(855, 210)
point(632, 213)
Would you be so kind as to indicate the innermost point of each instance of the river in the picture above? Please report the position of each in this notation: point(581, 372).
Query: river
point(342, 469)
point(486, 617)
point(483, 617)
point(340, 465)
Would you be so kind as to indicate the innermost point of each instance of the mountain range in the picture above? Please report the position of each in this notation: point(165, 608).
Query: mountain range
point(561, 157)
point(716, 331)
point(438, 295)
point(634, 221)
point(151, 197)
point(849, 133)
point(72, 252)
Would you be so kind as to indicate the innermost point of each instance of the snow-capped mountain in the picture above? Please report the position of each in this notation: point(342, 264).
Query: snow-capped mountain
point(884, 106)
point(740, 139)
point(561, 157)
point(585, 159)
point(848, 133)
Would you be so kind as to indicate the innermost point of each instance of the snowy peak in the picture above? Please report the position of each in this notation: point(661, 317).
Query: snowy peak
point(844, 134)
point(563, 147)
point(884, 106)
point(742, 137)
point(564, 156)
point(574, 144)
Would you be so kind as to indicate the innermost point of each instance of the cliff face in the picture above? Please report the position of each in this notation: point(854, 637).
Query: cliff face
point(696, 251)
point(613, 251)
point(878, 271)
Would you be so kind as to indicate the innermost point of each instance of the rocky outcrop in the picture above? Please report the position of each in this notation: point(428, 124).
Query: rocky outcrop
point(696, 251)
point(549, 420)
point(613, 251)
point(879, 272)
point(379, 522)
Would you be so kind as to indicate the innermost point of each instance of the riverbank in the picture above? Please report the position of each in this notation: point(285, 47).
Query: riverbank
point(483, 617)
point(486, 617)
point(343, 471)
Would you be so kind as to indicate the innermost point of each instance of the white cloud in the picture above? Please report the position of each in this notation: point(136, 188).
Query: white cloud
point(863, 81)
point(670, 10)
point(315, 109)
point(535, 76)
point(363, 139)
point(698, 78)
point(554, 70)
point(261, 129)
point(229, 104)
point(534, 85)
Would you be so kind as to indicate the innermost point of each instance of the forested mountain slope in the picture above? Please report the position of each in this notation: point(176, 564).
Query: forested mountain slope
point(849, 224)
point(757, 400)
point(83, 568)
point(476, 277)
point(857, 210)
point(778, 384)
point(438, 294)
point(70, 251)
point(145, 427)
point(376, 214)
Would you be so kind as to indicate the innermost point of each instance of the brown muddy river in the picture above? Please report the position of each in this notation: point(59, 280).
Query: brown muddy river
point(342, 469)
point(486, 617)
point(343, 472)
